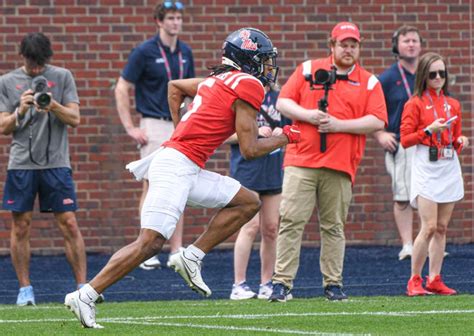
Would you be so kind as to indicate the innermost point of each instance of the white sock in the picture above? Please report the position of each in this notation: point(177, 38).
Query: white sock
point(194, 253)
point(88, 293)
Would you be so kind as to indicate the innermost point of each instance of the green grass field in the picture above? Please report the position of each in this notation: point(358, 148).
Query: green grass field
point(433, 315)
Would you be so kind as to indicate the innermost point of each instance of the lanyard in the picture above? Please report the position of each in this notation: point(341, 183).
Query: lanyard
point(404, 79)
point(435, 113)
point(167, 65)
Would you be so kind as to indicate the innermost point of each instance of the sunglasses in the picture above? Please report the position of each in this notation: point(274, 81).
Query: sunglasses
point(434, 74)
point(177, 5)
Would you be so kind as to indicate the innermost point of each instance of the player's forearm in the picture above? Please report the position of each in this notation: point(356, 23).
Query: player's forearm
point(175, 99)
point(263, 146)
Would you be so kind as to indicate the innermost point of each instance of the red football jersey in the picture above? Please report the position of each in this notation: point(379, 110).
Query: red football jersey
point(210, 119)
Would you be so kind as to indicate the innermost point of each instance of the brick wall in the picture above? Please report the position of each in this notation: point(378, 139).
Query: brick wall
point(93, 39)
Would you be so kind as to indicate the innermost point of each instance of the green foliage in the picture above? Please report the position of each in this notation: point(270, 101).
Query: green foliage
point(434, 315)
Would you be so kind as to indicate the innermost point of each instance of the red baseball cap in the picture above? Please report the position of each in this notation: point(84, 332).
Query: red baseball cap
point(344, 30)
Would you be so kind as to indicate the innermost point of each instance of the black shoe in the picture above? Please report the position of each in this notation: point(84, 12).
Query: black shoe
point(280, 293)
point(335, 293)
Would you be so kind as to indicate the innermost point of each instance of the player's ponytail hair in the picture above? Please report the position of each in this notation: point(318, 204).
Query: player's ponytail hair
point(220, 69)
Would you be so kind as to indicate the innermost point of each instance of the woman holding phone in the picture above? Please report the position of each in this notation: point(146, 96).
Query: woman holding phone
point(431, 121)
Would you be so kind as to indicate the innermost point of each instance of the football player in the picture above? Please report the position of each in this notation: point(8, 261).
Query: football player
point(224, 103)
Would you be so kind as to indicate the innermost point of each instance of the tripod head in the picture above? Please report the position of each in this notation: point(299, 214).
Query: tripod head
point(324, 79)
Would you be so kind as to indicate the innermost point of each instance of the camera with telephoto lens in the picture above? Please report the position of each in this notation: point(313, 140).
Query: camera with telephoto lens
point(324, 77)
point(41, 91)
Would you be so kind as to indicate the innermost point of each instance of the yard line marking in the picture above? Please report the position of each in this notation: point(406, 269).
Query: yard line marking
point(255, 316)
point(204, 326)
point(188, 325)
point(247, 316)
point(31, 307)
point(38, 320)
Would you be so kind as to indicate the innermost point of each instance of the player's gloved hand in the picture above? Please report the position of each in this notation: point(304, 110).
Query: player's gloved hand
point(292, 133)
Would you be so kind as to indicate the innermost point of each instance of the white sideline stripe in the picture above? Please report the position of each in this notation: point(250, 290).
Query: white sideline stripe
point(10, 307)
point(256, 316)
point(188, 325)
point(249, 316)
point(204, 326)
point(24, 321)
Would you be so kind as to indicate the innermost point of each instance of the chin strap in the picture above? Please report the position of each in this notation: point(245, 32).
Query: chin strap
point(228, 61)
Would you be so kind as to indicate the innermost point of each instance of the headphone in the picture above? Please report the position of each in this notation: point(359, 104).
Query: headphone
point(395, 36)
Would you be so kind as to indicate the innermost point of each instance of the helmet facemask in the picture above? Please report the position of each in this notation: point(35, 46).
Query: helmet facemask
point(266, 69)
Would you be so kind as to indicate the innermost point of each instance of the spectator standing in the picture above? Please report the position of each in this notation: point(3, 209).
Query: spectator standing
point(397, 84)
point(263, 175)
point(38, 101)
point(150, 67)
point(313, 177)
point(436, 178)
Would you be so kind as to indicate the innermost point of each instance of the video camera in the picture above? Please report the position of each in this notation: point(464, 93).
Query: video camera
point(40, 89)
point(326, 79)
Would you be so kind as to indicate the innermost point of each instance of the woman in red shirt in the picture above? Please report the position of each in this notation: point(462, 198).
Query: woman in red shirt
point(431, 121)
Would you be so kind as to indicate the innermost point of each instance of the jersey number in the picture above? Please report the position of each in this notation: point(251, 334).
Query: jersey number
point(197, 101)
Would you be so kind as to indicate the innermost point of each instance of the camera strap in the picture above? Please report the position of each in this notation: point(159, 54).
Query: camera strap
point(344, 77)
point(30, 140)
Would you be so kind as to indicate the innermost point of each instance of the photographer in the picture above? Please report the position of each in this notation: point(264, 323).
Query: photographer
point(324, 178)
point(37, 103)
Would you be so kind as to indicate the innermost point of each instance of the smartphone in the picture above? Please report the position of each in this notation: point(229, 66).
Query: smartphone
point(450, 120)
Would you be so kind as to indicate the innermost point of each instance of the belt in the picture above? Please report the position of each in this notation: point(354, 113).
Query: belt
point(159, 118)
point(164, 118)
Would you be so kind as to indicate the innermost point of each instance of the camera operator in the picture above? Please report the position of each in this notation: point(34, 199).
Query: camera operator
point(356, 107)
point(37, 103)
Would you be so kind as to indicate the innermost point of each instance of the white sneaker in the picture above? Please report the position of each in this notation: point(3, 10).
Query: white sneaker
point(242, 292)
point(265, 290)
point(83, 310)
point(168, 263)
point(151, 263)
point(190, 271)
point(405, 252)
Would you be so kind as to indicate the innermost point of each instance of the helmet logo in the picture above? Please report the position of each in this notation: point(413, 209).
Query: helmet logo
point(247, 43)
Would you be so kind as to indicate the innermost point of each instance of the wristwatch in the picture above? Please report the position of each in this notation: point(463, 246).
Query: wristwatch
point(427, 131)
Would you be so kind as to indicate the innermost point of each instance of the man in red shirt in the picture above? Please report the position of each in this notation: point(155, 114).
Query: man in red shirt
point(224, 103)
point(356, 107)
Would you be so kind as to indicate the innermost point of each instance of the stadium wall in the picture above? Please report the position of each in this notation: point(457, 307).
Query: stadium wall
point(94, 37)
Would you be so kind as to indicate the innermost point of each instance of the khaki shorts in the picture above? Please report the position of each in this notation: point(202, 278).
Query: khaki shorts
point(399, 169)
point(157, 131)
